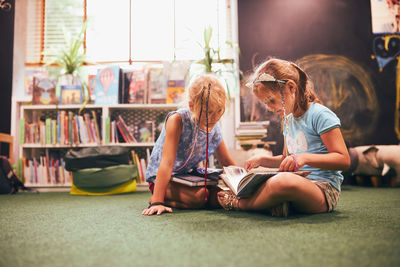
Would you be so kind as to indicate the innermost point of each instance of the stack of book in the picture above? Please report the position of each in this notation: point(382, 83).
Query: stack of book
point(251, 133)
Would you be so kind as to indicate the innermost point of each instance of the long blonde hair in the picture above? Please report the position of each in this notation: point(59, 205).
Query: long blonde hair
point(285, 70)
point(199, 87)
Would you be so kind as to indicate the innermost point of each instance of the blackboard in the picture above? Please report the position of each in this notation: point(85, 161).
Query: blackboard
point(324, 34)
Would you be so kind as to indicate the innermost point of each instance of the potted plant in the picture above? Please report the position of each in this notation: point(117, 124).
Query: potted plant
point(70, 59)
point(212, 62)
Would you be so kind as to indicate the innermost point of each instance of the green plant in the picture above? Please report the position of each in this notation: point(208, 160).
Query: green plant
point(212, 62)
point(71, 58)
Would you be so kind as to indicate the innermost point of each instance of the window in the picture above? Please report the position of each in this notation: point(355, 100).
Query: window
point(127, 30)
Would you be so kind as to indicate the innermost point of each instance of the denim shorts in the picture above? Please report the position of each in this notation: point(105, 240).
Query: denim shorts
point(331, 194)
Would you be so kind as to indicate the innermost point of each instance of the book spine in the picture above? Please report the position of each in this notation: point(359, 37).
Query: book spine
point(58, 128)
point(107, 131)
point(96, 126)
point(121, 130)
point(62, 126)
point(70, 128)
point(126, 129)
point(48, 131)
point(22, 131)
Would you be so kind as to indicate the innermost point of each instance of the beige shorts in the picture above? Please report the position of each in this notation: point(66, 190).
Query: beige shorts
point(331, 194)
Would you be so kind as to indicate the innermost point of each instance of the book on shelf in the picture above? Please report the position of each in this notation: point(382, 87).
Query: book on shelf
point(137, 92)
point(45, 170)
point(70, 94)
point(244, 183)
point(107, 138)
point(126, 80)
point(44, 90)
point(175, 91)
point(122, 132)
point(32, 73)
point(91, 86)
point(48, 131)
point(126, 129)
point(96, 126)
point(156, 86)
point(255, 129)
point(107, 85)
point(196, 177)
point(144, 131)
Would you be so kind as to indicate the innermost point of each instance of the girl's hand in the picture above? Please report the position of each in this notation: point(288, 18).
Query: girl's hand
point(291, 163)
point(156, 209)
point(251, 163)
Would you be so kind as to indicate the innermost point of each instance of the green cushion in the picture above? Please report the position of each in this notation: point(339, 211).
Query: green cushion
point(101, 178)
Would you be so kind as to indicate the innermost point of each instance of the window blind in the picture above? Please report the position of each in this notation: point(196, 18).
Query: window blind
point(126, 30)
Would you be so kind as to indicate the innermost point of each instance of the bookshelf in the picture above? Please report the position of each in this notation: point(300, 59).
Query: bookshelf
point(47, 132)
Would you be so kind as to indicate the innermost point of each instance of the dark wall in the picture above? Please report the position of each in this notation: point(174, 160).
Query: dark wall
point(294, 29)
point(6, 65)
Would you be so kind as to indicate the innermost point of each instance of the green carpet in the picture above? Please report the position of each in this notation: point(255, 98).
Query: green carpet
point(57, 229)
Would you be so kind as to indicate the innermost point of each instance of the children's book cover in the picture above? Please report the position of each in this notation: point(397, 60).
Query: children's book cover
point(70, 94)
point(107, 85)
point(44, 91)
point(137, 93)
point(144, 131)
point(157, 88)
point(175, 91)
point(126, 81)
point(91, 85)
point(30, 74)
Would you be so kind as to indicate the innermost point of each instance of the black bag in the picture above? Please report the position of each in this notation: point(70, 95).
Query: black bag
point(9, 182)
point(96, 157)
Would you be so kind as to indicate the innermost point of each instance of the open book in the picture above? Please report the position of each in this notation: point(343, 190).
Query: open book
point(196, 177)
point(245, 183)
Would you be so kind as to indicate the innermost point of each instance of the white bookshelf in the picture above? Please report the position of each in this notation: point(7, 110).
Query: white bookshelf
point(131, 113)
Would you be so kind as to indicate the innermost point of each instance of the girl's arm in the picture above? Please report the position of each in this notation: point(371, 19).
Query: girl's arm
point(264, 161)
point(173, 132)
point(337, 157)
point(223, 156)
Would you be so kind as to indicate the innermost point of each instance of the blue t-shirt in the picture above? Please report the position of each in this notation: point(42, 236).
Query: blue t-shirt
point(186, 142)
point(305, 137)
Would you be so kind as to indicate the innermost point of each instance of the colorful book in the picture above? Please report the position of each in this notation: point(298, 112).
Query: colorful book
point(107, 85)
point(22, 130)
point(126, 129)
point(175, 91)
point(44, 91)
point(107, 131)
point(70, 94)
point(122, 132)
point(48, 131)
point(137, 93)
point(96, 127)
point(156, 84)
point(144, 131)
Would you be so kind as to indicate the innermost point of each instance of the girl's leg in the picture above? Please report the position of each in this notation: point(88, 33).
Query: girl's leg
point(304, 195)
point(186, 197)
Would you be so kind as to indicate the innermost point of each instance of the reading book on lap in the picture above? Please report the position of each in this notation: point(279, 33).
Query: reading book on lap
point(196, 177)
point(245, 183)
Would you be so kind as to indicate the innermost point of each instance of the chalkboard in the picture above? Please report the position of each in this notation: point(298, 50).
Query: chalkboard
point(333, 41)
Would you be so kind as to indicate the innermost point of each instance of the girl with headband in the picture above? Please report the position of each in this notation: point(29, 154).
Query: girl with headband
point(189, 136)
point(312, 142)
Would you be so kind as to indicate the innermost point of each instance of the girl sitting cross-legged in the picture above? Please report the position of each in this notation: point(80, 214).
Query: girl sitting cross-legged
point(312, 142)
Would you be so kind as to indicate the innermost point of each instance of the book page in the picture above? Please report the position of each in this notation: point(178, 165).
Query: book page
point(232, 176)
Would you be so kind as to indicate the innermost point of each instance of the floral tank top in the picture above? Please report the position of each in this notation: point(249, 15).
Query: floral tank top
point(192, 139)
